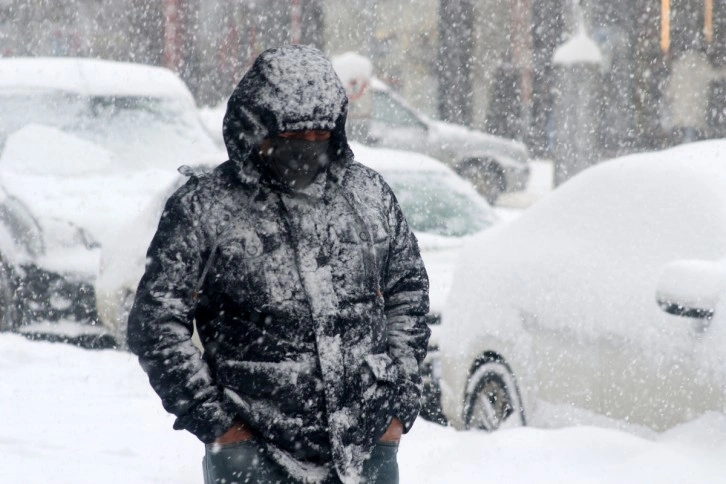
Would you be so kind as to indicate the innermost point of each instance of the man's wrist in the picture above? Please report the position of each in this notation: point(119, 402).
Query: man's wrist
point(238, 432)
point(393, 432)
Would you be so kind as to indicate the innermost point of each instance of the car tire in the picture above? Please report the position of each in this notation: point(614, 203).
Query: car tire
point(487, 178)
point(122, 318)
point(8, 311)
point(492, 399)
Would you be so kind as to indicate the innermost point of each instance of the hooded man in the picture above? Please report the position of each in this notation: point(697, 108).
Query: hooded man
point(306, 286)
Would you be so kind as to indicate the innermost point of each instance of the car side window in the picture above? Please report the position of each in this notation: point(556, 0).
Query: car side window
point(388, 110)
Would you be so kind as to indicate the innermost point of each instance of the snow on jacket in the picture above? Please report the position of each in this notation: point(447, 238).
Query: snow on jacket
point(309, 304)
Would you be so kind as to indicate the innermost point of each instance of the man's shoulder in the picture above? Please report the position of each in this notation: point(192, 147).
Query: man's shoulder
point(206, 184)
point(358, 174)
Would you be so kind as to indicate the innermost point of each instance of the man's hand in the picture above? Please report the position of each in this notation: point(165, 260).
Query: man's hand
point(237, 433)
point(393, 432)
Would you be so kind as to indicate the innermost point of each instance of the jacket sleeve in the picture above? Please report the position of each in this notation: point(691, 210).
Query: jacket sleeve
point(160, 327)
point(406, 296)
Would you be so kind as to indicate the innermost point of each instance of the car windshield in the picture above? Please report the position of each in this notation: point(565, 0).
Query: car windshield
point(388, 110)
point(139, 131)
point(438, 203)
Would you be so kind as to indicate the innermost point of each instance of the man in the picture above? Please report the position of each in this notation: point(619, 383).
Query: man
point(306, 285)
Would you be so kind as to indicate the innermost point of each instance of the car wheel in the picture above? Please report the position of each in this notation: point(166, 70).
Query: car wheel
point(122, 321)
point(492, 398)
point(487, 178)
point(7, 303)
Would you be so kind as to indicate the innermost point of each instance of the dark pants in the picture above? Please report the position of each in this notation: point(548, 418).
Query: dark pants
point(247, 462)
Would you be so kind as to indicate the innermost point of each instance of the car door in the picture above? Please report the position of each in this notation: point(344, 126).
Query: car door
point(566, 361)
point(660, 380)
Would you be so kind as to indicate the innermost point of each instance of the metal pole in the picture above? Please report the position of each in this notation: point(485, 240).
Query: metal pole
point(665, 25)
point(708, 20)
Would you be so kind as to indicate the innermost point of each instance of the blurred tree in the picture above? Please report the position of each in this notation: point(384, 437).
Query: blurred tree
point(504, 117)
point(146, 32)
point(455, 48)
point(613, 27)
point(717, 46)
point(548, 26)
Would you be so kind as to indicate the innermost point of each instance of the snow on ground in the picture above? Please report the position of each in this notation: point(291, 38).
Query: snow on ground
point(77, 416)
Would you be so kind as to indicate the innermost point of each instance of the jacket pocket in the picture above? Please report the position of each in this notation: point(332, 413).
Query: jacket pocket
point(382, 366)
point(288, 383)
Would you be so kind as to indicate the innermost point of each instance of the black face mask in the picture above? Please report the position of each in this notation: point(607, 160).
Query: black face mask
point(296, 162)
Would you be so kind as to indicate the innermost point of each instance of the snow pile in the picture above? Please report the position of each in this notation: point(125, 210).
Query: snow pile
point(579, 49)
point(43, 150)
point(354, 71)
point(104, 418)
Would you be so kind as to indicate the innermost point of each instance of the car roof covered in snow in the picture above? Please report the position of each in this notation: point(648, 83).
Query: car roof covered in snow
point(91, 77)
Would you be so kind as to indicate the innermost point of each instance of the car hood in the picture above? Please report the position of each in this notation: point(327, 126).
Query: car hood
point(460, 138)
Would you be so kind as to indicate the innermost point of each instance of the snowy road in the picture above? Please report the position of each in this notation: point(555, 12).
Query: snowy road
point(76, 416)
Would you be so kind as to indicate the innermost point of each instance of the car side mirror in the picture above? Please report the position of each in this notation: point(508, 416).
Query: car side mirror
point(691, 288)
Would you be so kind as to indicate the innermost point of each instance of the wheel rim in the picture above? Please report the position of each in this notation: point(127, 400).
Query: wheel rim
point(490, 406)
point(493, 399)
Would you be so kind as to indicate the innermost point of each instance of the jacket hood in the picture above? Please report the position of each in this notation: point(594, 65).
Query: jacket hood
point(289, 88)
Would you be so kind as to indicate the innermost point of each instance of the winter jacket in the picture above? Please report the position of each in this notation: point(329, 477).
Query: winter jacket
point(309, 303)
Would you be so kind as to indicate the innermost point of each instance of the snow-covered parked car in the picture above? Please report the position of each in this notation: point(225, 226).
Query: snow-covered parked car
point(559, 306)
point(379, 117)
point(441, 208)
point(87, 142)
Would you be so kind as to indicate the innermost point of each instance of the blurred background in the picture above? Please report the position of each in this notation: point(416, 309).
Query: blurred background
point(654, 78)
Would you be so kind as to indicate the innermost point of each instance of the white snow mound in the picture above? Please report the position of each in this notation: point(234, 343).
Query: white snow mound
point(36, 149)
